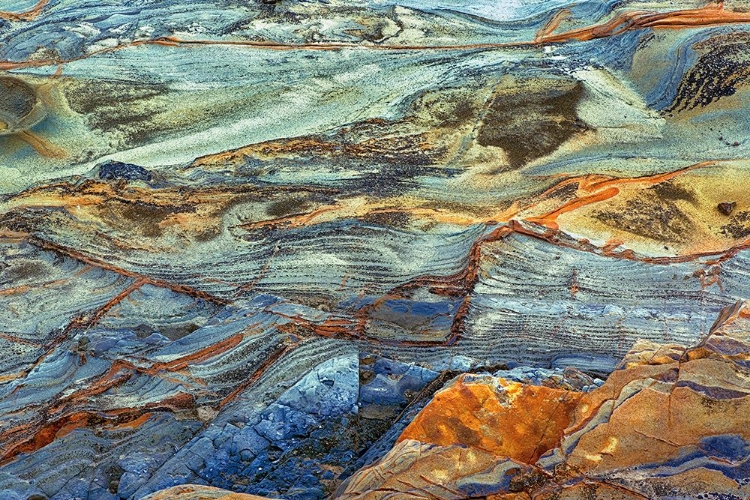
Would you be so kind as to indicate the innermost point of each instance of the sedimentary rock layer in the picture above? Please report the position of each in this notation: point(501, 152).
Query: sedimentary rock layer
point(246, 244)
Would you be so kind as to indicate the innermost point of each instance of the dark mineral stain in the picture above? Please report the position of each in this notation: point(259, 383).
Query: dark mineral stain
point(713, 392)
point(532, 121)
point(726, 446)
point(650, 217)
point(208, 234)
point(113, 473)
point(718, 73)
point(146, 217)
point(668, 190)
point(113, 106)
point(28, 219)
point(447, 109)
point(172, 332)
point(390, 219)
point(291, 205)
point(365, 377)
point(372, 31)
point(23, 271)
point(565, 192)
point(526, 481)
point(726, 207)
point(464, 434)
point(117, 170)
point(738, 226)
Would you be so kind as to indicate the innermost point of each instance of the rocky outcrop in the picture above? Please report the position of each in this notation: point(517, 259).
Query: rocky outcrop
point(670, 422)
point(243, 244)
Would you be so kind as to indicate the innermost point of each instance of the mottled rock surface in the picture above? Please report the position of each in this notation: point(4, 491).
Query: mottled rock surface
point(243, 244)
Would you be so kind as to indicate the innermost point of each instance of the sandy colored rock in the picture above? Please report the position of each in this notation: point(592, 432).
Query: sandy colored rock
point(199, 492)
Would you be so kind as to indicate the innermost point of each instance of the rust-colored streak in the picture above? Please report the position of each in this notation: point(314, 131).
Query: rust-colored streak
point(198, 356)
point(331, 46)
point(7, 236)
point(460, 283)
point(457, 328)
point(17, 290)
point(134, 424)
point(297, 220)
point(342, 328)
point(119, 373)
point(122, 370)
point(330, 327)
point(87, 321)
point(49, 428)
point(553, 24)
point(82, 322)
point(12, 376)
point(177, 43)
point(52, 429)
point(29, 15)
point(61, 418)
point(42, 145)
point(601, 181)
point(550, 219)
point(38, 63)
point(710, 15)
point(601, 188)
point(555, 237)
point(87, 259)
point(48, 433)
point(18, 340)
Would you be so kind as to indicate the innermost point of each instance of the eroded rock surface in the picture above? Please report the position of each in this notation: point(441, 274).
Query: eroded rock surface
point(669, 422)
point(244, 244)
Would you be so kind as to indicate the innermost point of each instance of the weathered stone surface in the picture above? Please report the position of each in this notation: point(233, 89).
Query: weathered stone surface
point(670, 422)
point(497, 416)
point(244, 243)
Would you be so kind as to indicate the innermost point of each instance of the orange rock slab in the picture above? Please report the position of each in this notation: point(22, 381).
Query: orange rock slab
point(495, 415)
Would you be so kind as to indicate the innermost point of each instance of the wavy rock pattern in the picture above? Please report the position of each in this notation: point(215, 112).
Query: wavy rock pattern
point(246, 244)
